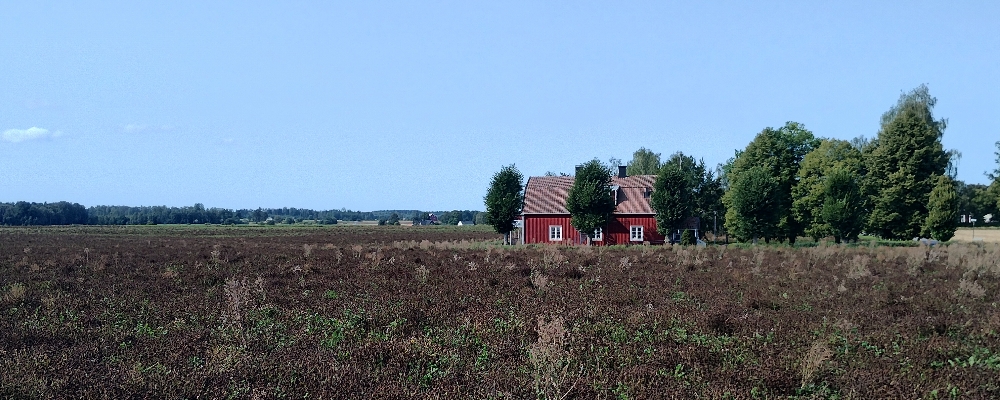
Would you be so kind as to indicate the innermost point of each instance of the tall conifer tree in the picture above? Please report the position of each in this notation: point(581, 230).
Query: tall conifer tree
point(903, 164)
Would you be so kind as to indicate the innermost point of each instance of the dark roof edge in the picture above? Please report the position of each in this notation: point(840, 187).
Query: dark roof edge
point(549, 213)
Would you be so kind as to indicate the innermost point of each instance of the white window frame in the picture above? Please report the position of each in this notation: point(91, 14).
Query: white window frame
point(636, 233)
point(555, 233)
point(599, 235)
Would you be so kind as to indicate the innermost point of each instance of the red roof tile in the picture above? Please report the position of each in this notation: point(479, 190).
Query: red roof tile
point(547, 194)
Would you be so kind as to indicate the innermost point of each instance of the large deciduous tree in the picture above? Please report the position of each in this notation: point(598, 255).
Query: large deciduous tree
point(995, 189)
point(644, 162)
point(978, 200)
point(258, 215)
point(671, 198)
point(942, 208)
point(809, 193)
point(995, 177)
point(504, 200)
point(904, 162)
point(779, 153)
point(590, 201)
point(995, 174)
point(704, 185)
point(752, 204)
point(841, 210)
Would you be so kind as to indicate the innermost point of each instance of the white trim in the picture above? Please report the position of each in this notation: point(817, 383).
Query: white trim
point(555, 233)
point(633, 230)
point(599, 235)
point(634, 214)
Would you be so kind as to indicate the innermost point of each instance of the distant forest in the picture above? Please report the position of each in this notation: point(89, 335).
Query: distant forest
point(23, 213)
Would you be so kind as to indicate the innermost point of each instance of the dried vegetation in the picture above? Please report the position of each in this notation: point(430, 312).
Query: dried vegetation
point(395, 313)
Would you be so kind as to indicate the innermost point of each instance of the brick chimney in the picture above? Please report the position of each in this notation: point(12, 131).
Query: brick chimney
point(621, 171)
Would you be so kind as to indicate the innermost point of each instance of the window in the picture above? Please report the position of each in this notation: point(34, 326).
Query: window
point(635, 233)
point(555, 232)
point(598, 234)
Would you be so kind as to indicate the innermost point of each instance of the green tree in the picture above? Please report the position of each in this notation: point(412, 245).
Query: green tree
point(451, 217)
point(779, 152)
point(995, 177)
point(808, 194)
point(978, 200)
point(995, 174)
point(942, 206)
point(504, 200)
point(258, 215)
point(687, 238)
point(705, 186)
point(903, 163)
point(841, 211)
point(671, 198)
point(393, 219)
point(420, 216)
point(644, 162)
point(709, 206)
point(590, 201)
point(752, 204)
point(995, 190)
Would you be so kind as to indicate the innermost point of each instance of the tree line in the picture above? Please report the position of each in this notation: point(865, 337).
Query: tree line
point(441, 218)
point(788, 183)
point(24, 213)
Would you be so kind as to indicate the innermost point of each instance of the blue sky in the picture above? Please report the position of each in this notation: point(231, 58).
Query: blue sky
point(389, 105)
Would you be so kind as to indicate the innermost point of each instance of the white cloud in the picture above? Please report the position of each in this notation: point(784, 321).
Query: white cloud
point(130, 128)
point(20, 135)
point(137, 128)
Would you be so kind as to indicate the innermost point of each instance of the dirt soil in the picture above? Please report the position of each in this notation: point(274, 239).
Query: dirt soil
point(409, 312)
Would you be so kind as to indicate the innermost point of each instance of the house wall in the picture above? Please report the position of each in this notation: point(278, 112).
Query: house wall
point(536, 229)
point(618, 230)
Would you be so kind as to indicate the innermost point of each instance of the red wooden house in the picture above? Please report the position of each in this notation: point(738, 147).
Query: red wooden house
point(546, 220)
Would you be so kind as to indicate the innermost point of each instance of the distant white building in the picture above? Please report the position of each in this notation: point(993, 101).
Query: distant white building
point(466, 223)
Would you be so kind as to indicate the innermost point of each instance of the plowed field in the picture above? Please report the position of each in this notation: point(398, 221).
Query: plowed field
point(415, 312)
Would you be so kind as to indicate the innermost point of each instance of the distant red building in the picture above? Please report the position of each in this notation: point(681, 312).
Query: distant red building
point(546, 220)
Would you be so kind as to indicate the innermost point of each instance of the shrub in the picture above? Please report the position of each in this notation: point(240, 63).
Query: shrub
point(15, 293)
point(813, 361)
point(549, 359)
point(687, 238)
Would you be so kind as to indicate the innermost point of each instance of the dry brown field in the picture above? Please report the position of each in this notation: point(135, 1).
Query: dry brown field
point(986, 235)
point(438, 312)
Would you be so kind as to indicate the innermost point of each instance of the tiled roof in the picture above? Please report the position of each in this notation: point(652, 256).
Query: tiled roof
point(547, 194)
